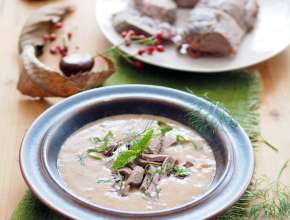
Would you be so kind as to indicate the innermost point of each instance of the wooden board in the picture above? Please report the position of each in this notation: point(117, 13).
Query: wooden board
point(18, 112)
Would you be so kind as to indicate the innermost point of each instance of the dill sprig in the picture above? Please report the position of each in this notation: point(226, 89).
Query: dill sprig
point(264, 199)
point(199, 119)
point(267, 143)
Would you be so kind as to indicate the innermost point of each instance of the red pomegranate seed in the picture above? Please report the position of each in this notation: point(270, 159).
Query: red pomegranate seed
point(46, 37)
point(124, 34)
point(157, 41)
point(58, 25)
point(141, 51)
point(138, 65)
point(52, 51)
point(128, 42)
point(69, 35)
point(62, 50)
point(159, 35)
point(132, 33)
point(160, 48)
point(150, 50)
point(52, 37)
point(142, 37)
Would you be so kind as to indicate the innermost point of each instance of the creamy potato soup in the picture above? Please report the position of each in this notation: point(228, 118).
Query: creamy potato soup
point(136, 163)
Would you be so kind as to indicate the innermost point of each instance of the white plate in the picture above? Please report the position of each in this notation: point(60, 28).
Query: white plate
point(270, 37)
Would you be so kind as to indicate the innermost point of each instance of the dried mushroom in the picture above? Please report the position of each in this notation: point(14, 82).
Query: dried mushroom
point(38, 80)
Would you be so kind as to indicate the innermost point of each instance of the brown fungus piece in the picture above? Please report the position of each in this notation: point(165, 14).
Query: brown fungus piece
point(38, 80)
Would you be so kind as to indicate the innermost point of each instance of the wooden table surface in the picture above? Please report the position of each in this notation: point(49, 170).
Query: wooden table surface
point(18, 112)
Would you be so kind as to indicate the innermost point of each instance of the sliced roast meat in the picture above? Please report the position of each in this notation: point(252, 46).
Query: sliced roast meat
point(154, 157)
point(150, 175)
point(156, 144)
point(125, 172)
point(163, 10)
point(159, 143)
point(188, 164)
point(243, 11)
point(211, 31)
point(110, 150)
point(150, 181)
point(136, 177)
point(130, 19)
point(186, 3)
point(144, 163)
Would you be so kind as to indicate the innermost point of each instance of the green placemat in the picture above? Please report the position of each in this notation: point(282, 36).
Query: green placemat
point(239, 92)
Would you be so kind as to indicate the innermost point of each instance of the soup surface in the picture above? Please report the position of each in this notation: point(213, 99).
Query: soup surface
point(136, 163)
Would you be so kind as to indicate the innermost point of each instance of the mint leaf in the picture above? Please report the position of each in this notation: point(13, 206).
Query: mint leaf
point(143, 143)
point(164, 128)
point(128, 156)
point(123, 159)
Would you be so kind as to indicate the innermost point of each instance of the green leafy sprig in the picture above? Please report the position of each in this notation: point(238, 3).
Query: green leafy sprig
point(264, 199)
point(138, 147)
point(164, 127)
point(104, 143)
point(181, 171)
point(182, 140)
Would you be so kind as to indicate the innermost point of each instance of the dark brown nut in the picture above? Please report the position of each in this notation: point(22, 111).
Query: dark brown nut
point(76, 63)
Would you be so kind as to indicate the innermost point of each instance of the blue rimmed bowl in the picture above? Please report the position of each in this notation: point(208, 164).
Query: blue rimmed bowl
point(41, 145)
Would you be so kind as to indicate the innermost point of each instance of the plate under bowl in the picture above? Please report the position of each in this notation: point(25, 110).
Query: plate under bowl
point(41, 145)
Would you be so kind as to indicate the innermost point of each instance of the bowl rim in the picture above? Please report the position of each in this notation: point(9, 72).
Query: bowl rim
point(127, 89)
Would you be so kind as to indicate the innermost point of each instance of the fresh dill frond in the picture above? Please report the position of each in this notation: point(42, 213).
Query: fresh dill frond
point(82, 158)
point(105, 180)
point(267, 143)
point(164, 127)
point(182, 140)
point(264, 199)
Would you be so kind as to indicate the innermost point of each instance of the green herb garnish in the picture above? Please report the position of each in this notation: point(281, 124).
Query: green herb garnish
point(182, 140)
point(128, 156)
point(181, 171)
point(143, 143)
point(123, 159)
point(82, 158)
point(94, 157)
point(157, 191)
point(102, 181)
point(264, 199)
point(164, 128)
point(95, 140)
point(160, 171)
point(105, 142)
